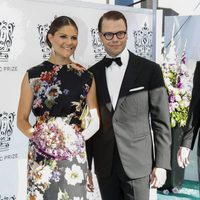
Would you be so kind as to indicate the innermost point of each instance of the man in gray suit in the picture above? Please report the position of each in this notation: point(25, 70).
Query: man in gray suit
point(133, 107)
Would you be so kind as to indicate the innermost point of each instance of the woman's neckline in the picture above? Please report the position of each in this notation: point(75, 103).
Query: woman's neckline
point(58, 64)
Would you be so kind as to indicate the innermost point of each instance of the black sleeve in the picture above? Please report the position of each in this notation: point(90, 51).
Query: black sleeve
point(89, 150)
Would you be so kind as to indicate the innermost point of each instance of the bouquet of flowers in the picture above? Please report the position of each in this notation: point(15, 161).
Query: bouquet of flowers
point(57, 139)
point(177, 81)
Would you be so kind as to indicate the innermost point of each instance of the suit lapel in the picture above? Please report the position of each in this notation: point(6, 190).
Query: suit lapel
point(130, 78)
point(103, 88)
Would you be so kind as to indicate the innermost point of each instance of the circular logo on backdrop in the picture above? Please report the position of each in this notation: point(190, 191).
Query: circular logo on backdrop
point(143, 42)
point(13, 197)
point(6, 130)
point(98, 48)
point(42, 30)
point(6, 37)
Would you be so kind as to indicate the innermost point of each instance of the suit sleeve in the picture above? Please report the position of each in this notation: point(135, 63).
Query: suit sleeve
point(193, 121)
point(160, 119)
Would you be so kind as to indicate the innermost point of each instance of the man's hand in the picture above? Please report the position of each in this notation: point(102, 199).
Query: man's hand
point(158, 177)
point(183, 157)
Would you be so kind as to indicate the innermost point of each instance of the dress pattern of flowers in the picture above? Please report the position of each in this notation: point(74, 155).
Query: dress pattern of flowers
point(57, 163)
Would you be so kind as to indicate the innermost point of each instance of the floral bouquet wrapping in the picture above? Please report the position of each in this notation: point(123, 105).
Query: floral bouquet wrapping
point(58, 140)
point(177, 82)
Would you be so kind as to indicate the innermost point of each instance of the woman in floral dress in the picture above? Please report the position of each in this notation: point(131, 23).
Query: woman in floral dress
point(58, 92)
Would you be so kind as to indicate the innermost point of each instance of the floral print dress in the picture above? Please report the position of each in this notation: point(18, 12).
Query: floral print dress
point(57, 163)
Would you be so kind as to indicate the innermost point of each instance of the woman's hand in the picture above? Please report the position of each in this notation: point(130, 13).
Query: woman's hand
point(90, 184)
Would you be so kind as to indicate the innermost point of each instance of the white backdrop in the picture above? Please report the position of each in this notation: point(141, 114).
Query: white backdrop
point(23, 25)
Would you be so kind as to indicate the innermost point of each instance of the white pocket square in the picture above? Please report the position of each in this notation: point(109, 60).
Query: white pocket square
point(136, 89)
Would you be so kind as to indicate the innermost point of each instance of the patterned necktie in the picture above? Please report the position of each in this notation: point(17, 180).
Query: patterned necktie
point(108, 61)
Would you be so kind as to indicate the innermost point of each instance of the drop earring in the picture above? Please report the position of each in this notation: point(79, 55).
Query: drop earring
point(53, 54)
point(52, 50)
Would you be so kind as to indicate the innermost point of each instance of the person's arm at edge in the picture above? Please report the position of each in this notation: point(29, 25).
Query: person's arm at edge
point(190, 133)
point(24, 108)
point(160, 120)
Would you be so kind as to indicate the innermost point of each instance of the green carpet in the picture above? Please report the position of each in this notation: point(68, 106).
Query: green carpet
point(189, 191)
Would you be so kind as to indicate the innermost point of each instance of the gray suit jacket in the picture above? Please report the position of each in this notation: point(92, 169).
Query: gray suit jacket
point(142, 105)
point(193, 121)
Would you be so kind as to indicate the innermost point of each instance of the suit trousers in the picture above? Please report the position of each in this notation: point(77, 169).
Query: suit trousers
point(119, 186)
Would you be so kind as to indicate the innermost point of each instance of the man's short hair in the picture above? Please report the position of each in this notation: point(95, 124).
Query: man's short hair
point(111, 15)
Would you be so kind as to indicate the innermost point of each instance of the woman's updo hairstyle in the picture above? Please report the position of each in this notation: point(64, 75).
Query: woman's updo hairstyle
point(58, 23)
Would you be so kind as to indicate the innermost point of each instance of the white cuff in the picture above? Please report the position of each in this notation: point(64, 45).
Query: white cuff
point(93, 126)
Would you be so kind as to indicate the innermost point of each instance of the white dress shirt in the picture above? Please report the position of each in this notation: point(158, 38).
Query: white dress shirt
point(115, 75)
